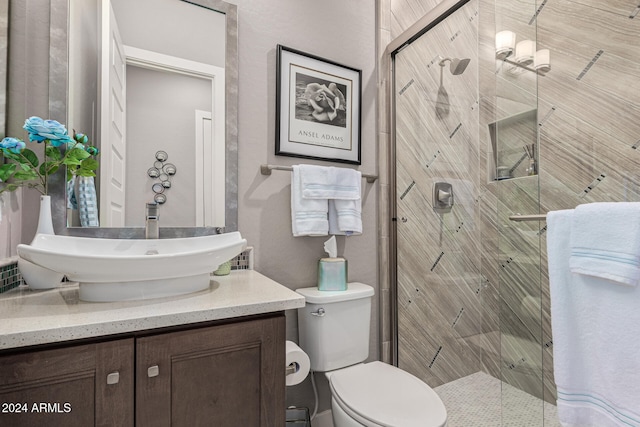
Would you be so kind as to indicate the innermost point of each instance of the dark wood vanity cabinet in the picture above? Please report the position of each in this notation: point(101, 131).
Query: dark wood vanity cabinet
point(229, 374)
point(68, 387)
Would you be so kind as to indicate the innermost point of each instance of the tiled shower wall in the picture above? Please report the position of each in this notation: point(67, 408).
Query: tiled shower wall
point(589, 135)
point(440, 286)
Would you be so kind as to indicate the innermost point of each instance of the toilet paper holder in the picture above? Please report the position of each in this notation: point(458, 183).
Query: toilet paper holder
point(291, 369)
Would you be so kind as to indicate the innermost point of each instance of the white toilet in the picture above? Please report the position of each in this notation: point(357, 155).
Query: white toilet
point(334, 332)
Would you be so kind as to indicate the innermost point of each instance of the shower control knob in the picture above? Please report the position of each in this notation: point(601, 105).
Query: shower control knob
point(318, 313)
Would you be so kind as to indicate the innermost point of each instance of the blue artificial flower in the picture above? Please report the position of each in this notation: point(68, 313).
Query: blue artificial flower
point(12, 144)
point(40, 130)
point(92, 150)
point(81, 138)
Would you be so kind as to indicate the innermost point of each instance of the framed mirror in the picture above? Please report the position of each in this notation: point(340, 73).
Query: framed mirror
point(76, 94)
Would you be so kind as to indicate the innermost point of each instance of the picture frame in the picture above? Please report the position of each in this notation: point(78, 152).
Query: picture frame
point(318, 108)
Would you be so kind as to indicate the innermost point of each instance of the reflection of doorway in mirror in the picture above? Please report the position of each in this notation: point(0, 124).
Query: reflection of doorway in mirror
point(210, 173)
point(113, 134)
point(163, 93)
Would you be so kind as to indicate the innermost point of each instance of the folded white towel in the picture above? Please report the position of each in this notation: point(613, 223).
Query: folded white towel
point(605, 241)
point(325, 200)
point(595, 346)
point(308, 216)
point(345, 217)
point(319, 182)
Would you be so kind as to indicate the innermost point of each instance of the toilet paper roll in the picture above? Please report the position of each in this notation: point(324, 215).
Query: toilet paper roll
point(298, 358)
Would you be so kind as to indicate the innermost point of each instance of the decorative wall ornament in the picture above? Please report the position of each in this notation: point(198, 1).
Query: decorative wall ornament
point(162, 172)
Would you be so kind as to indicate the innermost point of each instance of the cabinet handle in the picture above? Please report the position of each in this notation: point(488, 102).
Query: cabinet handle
point(113, 378)
point(153, 371)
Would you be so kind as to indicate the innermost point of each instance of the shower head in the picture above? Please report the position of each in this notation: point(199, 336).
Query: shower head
point(457, 65)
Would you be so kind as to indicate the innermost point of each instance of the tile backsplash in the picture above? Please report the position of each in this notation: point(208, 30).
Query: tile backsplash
point(10, 276)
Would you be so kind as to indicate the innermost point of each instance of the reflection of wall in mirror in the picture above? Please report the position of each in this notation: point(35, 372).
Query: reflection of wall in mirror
point(174, 28)
point(164, 23)
point(83, 68)
point(160, 116)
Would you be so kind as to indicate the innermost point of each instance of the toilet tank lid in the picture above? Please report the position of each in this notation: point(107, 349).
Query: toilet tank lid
point(355, 290)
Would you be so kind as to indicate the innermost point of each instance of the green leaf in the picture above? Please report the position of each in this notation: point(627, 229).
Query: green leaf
point(13, 156)
point(30, 156)
point(25, 175)
point(53, 153)
point(77, 154)
point(71, 162)
point(10, 187)
point(85, 172)
point(89, 163)
point(6, 171)
point(48, 168)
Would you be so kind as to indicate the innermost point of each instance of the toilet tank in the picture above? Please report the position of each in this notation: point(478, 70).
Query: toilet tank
point(334, 326)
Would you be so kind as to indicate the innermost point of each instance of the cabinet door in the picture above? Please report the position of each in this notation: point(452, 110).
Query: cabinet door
point(82, 385)
point(228, 376)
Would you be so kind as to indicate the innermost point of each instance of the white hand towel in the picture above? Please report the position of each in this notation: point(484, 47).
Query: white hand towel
point(345, 217)
point(308, 216)
point(319, 182)
point(605, 241)
point(595, 328)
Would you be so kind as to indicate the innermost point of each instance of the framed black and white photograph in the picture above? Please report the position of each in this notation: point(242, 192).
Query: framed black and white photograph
point(317, 108)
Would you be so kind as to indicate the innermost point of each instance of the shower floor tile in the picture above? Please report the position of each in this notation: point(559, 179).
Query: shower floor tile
point(475, 400)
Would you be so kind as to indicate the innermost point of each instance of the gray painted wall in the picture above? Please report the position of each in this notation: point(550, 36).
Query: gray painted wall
point(161, 116)
point(343, 32)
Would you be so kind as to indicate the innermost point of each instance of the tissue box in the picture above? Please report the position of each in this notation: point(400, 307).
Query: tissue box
point(332, 274)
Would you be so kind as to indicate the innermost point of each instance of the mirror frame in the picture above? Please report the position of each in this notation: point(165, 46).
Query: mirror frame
point(58, 96)
point(4, 69)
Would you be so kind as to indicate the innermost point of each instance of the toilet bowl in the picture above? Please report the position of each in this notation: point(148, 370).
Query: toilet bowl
point(377, 394)
point(334, 332)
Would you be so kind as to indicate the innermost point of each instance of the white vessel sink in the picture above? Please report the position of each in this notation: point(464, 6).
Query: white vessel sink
point(132, 269)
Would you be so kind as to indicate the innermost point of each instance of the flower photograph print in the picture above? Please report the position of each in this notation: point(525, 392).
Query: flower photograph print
point(317, 108)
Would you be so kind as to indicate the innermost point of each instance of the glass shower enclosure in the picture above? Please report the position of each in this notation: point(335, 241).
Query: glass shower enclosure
point(471, 315)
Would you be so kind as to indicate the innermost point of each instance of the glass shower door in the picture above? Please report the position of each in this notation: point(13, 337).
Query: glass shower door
point(468, 285)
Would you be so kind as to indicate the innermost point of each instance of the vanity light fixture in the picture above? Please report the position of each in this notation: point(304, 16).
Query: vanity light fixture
point(505, 43)
point(542, 62)
point(525, 52)
point(522, 55)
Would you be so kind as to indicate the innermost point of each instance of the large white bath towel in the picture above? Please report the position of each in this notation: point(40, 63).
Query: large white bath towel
point(605, 241)
point(595, 325)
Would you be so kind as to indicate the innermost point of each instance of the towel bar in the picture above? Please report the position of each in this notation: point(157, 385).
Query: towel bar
point(266, 170)
point(538, 217)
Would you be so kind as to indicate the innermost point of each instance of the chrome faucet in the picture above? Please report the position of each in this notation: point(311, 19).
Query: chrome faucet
point(152, 227)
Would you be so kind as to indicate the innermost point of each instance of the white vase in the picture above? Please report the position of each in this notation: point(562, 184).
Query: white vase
point(35, 276)
point(45, 222)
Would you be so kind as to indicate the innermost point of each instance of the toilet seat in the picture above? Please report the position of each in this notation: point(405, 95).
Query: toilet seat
point(380, 395)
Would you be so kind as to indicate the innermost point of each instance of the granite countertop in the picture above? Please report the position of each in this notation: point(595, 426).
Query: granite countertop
point(40, 317)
